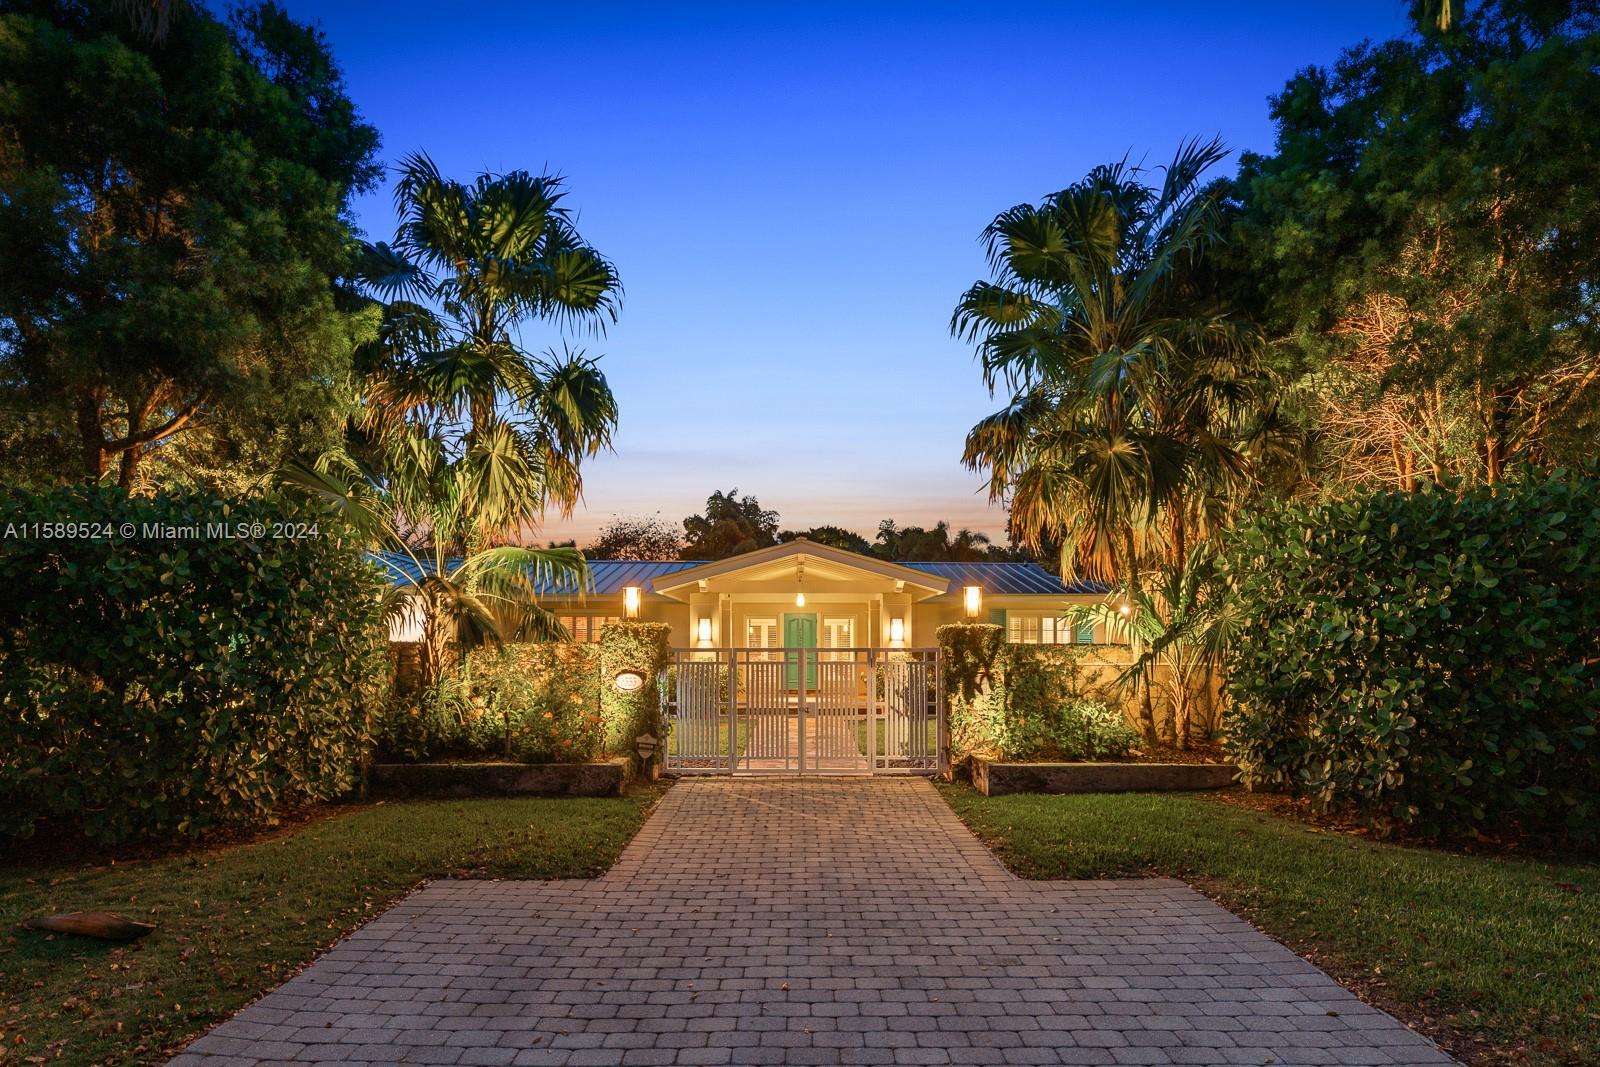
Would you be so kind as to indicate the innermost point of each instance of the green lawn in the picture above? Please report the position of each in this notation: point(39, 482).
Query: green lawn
point(1502, 952)
point(233, 923)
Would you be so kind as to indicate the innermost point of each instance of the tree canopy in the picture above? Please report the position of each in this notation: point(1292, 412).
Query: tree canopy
point(648, 538)
point(181, 205)
point(730, 526)
point(1425, 240)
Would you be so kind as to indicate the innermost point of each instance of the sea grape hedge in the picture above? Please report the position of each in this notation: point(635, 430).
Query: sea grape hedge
point(1426, 659)
point(160, 676)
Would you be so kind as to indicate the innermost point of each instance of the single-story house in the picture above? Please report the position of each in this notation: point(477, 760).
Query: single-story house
point(801, 594)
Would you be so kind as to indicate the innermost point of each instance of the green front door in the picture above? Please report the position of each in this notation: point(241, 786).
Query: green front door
point(800, 631)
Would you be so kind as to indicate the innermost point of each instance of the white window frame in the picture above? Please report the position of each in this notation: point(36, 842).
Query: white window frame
point(767, 639)
point(831, 625)
point(1047, 628)
point(584, 626)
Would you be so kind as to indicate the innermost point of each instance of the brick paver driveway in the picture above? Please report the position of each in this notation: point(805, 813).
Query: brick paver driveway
point(809, 922)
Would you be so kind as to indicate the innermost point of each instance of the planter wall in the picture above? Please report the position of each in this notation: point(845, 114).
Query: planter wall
point(602, 779)
point(997, 779)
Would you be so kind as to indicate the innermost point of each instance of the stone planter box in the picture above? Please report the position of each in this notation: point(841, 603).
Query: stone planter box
point(997, 779)
point(603, 779)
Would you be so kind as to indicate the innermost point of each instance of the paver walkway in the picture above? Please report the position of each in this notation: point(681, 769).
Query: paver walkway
point(809, 922)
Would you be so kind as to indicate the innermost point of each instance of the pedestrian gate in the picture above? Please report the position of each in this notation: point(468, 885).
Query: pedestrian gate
point(804, 711)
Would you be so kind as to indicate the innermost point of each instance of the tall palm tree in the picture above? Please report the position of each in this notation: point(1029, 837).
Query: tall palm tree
point(469, 266)
point(1136, 395)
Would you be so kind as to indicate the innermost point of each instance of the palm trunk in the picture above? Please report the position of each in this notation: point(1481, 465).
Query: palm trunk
point(1147, 714)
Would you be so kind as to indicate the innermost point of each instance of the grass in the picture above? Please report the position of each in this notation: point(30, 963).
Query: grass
point(1495, 956)
point(233, 923)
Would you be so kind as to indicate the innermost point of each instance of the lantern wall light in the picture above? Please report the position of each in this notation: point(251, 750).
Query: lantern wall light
point(630, 601)
point(897, 631)
point(973, 600)
point(705, 630)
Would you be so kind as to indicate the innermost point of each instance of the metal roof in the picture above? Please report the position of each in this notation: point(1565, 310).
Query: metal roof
point(610, 576)
point(1008, 578)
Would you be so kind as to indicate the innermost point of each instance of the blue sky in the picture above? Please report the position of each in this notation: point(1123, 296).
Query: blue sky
point(793, 194)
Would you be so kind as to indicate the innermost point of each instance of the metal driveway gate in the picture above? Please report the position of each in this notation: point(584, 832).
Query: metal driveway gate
point(804, 711)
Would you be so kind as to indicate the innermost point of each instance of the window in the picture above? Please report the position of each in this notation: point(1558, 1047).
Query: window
point(1023, 629)
point(585, 629)
point(838, 633)
point(761, 633)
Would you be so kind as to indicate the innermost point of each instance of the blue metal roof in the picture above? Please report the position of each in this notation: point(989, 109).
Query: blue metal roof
point(610, 576)
point(607, 577)
point(1028, 579)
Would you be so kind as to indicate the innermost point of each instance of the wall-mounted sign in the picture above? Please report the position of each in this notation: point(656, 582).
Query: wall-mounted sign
point(629, 681)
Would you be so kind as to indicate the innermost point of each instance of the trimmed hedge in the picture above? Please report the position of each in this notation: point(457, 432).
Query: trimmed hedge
point(645, 648)
point(1025, 701)
point(1427, 659)
point(170, 679)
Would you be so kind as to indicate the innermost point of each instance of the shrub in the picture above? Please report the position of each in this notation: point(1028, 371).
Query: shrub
point(645, 649)
point(1026, 701)
point(1074, 729)
point(170, 678)
point(1428, 659)
point(536, 703)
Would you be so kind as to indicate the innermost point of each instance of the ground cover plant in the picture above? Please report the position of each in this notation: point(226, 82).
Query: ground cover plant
point(233, 923)
point(1492, 953)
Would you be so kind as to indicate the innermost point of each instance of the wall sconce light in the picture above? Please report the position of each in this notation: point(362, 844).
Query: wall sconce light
point(1125, 609)
point(705, 630)
point(973, 599)
point(800, 584)
point(630, 601)
point(897, 630)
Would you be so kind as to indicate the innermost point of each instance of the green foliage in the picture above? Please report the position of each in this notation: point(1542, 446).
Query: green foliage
point(1138, 403)
point(644, 648)
point(1424, 235)
point(731, 525)
point(448, 387)
point(529, 702)
point(1430, 659)
point(180, 207)
point(970, 652)
point(159, 683)
point(1067, 730)
point(1025, 701)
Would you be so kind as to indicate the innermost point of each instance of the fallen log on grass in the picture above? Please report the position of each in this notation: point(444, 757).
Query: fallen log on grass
point(105, 925)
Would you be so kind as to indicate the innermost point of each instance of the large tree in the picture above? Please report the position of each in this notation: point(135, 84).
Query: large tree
point(649, 538)
point(1138, 402)
point(731, 526)
point(904, 544)
point(472, 264)
point(1426, 240)
point(172, 215)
